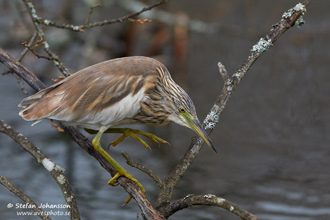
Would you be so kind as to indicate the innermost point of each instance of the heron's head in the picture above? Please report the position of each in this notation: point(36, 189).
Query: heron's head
point(184, 113)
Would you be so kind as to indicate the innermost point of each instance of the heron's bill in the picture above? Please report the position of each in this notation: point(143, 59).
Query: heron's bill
point(196, 126)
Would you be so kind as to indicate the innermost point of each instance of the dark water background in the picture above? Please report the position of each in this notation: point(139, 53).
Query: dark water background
point(273, 137)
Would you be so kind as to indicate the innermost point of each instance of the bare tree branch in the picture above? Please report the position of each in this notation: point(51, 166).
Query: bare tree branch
point(56, 171)
point(20, 70)
point(209, 200)
point(20, 194)
point(80, 28)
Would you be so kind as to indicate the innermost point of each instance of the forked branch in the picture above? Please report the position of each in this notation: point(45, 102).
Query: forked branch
point(289, 19)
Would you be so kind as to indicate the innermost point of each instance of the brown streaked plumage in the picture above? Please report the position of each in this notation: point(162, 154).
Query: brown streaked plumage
point(91, 90)
point(130, 90)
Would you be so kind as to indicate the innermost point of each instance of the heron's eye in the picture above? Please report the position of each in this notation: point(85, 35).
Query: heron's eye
point(182, 110)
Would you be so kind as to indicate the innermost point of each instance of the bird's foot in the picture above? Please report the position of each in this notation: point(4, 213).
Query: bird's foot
point(134, 134)
point(120, 170)
point(123, 172)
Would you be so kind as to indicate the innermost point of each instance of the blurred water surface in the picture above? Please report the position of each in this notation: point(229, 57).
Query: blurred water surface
point(273, 137)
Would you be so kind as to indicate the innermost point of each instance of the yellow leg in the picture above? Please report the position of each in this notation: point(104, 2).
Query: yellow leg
point(121, 171)
point(133, 133)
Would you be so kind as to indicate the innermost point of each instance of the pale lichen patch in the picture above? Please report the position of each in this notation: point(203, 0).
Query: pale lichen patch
point(48, 164)
point(46, 45)
point(262, 45)
point(220, 200)
point(209, 196)
point(300, 22)
point(299, 7)
point(20, 135)
point(75, 28)
point(231, 208)
point(61, 179)
point(188, 196)
point(69, 199)
point(46, 22)
point(59, 169)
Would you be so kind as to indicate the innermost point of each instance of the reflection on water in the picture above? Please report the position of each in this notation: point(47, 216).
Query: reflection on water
point(302, 203)
point(288, 210)
point(273, 137)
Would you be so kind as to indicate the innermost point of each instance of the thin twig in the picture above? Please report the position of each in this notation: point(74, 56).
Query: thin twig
point(52, 56)
point(20, 194)
point(91, 12)
point(19, 80)
point(81, 28)
point(126, 17)
point(223, 72)
point(171, 19)
point(21, 85)
point(31, 42)
point(56, 171)
point(144, 169)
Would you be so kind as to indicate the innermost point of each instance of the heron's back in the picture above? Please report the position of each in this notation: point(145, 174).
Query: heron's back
point(106, 92)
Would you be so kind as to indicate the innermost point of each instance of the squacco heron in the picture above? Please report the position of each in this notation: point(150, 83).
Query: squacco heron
point(130, 90)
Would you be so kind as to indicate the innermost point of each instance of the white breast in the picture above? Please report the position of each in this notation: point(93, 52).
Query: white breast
point(125, 108)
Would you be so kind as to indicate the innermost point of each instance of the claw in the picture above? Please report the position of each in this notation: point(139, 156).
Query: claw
point(133, 133)
point(127, 201)
point(56, 126)
point(113, 182)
